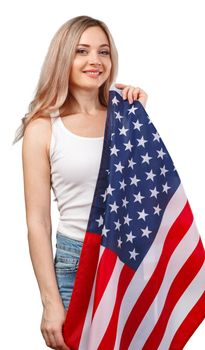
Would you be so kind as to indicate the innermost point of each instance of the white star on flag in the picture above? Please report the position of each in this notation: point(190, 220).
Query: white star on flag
point(128, 146)
point(137, 125)
point(114, 150)
point(100, 221)
point(115, 101)
point(133, 254)
point(123, 131)
point(141, 142)
point(119, 167)
point(132, 110)
point(146, 232)
point(146, 158)
point(142, 214)
point(130, 237)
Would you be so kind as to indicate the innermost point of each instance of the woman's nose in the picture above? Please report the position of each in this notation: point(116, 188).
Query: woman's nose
point(94, 58)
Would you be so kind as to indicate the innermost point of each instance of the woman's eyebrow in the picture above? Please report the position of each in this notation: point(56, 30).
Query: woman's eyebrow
point(89, 45)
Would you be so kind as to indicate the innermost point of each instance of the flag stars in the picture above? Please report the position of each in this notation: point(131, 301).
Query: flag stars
point(160, 153)
point(157, 210)
point(133, 254)
point(114, 207)
point(104, 231)
point(125, 202)
point(122, 185)
point(146, 158)
point(119, 167)
point(114, 150)
point(118, 116)
point(127, 220)
point(154, 192)
point(142, 214)
point(137, 125)
point(150, 175)
point(163, 170)
point(146, 232)
point(156, 137)
point(128, 146)
point(130, 237)
point(112, 135)
point(134, 180)
point(119, 242)
point(138, 197)
point(123, 131)
point(141, 142)
point(104, 196)
point(115, 101)
point(131, 163)
point(132, 110)
point(100, 221)
point(165, 187)
point(109, 190)
point(117, 225)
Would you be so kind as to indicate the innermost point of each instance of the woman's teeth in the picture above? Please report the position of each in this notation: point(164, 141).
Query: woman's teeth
point(93, 73)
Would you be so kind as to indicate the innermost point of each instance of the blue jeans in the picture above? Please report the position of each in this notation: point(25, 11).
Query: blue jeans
point(66, 263)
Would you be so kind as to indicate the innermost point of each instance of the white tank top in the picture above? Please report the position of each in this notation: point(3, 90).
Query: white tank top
point(75, 162)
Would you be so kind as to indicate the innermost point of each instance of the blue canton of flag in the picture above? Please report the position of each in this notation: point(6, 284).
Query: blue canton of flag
point(139, 180)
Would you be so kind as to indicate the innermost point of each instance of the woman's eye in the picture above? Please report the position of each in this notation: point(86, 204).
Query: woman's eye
point(105, 52)
point(80, 50)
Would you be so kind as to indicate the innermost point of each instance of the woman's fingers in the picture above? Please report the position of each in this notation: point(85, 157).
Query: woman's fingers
point(133, 93)
point(120, 86)
point(61, 345)
point(54, 340)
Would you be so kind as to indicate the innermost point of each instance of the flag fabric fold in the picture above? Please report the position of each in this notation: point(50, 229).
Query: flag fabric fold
point(141, 278)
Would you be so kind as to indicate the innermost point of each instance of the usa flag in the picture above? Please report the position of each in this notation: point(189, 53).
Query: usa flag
point(141, 278)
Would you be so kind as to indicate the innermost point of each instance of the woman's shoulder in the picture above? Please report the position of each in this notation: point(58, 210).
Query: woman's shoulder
point(39, 131)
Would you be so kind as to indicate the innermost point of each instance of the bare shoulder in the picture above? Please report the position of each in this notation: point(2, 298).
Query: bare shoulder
point(38, 131)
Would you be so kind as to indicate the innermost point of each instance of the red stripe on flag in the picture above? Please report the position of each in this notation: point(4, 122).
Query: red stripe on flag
point(104, 272)
point(174, 236)
point(189, 325)
point(108, 340)
point(82, 290)
point(186, 274)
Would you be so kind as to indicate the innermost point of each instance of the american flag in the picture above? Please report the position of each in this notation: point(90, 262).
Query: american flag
point(141, 278)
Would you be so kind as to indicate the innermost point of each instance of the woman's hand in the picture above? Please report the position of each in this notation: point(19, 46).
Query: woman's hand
point(51, 326)
point(133, 93)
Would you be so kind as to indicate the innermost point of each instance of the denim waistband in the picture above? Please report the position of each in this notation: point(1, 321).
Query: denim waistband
point(63, 240)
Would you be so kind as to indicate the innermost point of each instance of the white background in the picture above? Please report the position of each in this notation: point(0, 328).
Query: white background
point(161, 50)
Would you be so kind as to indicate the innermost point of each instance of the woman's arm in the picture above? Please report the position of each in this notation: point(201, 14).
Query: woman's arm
point(37, 192)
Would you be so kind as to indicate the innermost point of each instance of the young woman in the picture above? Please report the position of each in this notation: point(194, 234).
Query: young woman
point(62, 147)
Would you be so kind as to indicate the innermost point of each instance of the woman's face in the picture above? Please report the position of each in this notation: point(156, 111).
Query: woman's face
point(92, 64)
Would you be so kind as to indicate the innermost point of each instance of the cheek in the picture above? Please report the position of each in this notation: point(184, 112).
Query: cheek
point(77, 65)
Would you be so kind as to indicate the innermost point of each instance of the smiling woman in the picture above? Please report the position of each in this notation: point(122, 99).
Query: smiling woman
point(72, 93)
point(91, 66)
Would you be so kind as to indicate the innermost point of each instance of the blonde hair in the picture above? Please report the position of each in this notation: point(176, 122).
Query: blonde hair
point(53, 86)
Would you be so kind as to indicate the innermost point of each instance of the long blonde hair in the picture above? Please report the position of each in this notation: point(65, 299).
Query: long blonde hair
point(53, 86)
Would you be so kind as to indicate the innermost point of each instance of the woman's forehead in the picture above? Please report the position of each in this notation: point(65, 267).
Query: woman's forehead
point(94, 35)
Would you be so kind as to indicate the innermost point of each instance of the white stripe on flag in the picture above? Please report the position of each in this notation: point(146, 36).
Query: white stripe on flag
point(183, 307)
point(104, 310)
point(177, 260)
point(148, 265)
